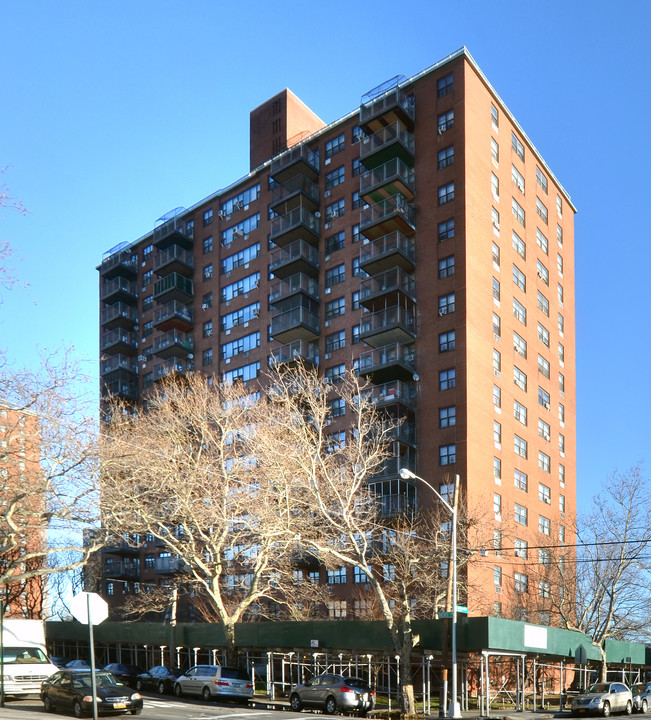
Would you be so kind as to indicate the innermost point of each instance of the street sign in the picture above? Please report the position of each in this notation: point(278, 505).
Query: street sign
point(85, 601)
point(462, 609)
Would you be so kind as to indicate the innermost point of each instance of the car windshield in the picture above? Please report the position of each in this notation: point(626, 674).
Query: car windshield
point(638, 688)
point(599, 688)
point(355, 682)
point(24, 655)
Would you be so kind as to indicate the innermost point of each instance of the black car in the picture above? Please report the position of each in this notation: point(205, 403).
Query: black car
point(127, 674)
point(72, 690)
point(158, 678)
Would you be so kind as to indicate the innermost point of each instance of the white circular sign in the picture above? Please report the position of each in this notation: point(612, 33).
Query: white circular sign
point(83, 601)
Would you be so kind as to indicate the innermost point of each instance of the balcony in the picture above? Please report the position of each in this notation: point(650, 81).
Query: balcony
point(394, 214)
point(388, 251)
point(298, 283)
point(299, 323)
point(296, 224)
point(404, 433)
point(297, 191)
point(380, 107)
point(395, 392)
point(173, 343)
point(119, 362)
point(119, 341)
point(121, 569)
point(121, 384)
point(172, 365)
point(387, 289)
point(295, 352)
point(386, 363)
point(298, 160)
point(118, 315)
point(170, 565)
point(401, 457)
point(172, 232)
point(119, 289)
point(392, 178)
point(391, 325)
point(123, 263)
point(173, 315)
point(173, 287)
point(392, 506)
point(298, 256)
point(121, 547)
point(174, 259)
point(393, 141)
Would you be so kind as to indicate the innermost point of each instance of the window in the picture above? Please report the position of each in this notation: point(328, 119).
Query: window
point(559, 264)
point(496, 254)
point(446, 304)
point(496, 290)
point(520, 446)
point(561, 534)
point(497, 362)
point(559, 206)
point(357, 134)
point(541, 180)
point(189, 228)
point(520, 378)
point(445, 121)
point(447, 454)
point(541, 241)
point(517, 146)
point(447, 379)
point(207, 356)
point(335, 210)
point(561, 353)
point(110, 588)
point(446, 267)
point(543, 366)
point(335, 373)
point(519, 311)
point(148, 303)
point(337, 407)
point(337, 576)
point(147, 278)
point(520, 548)
point(560, 294)
point(446, 193)
point(543, 335)
point(561, 444)
point(335, 341)
point(446, 230)
point(561, 505)
point(519, 278)
point(358, 200)
point(241, 345)
point(544, 589)
point(520, 514)
point(244, 374)
point(206, 301)
point(518, 211)
point(447, 341)
point(497, 542)
point(559, 235)
point(497, 396)
point(544, 557)
point(207, 244)
point(561, 475)
point(495, 118)
point(147, 252)
point(358, 167)
point(497, 434)
point(207, 328)
point(521, 480)
point(447, 416)
point(241, 258)
point(544, 494)
point(356, 235)
point(445, 157)
point(445, 85)
point(520, 412)
point(332, 147)
point(497, 505)
point(541, 210)
point(335, 177)
point(241, 287)
point(313, 577)
point(355, 334)
point(497, 576)
point(207, 217)
point(521, 582)
point(543, 429)
point(543, 303)
point(495, 218)
point(335, 275)
point(495, 186)
point(543, 525)
point(497, 468)
point(335, 242)
point(495, 151)
point(543, 398)
point(518, 244)
point(519, 345)
point(517, 178)
point(561, 383)
point(388, 572)
point(241, 316)
point(543, 273)
point(207, 272)
point(497, 325)
point(335, 308)
point(543, 461)
point(359, 576)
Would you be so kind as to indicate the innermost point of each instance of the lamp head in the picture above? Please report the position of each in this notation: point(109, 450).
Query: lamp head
point(406, 474)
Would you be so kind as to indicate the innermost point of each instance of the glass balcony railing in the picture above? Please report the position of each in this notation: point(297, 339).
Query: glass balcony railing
point(383, 319)
point(290, 225)
point(294, 351)
point(173, 342)
point(394, 140)
point(118, 338)
point(174, 255)
point(372, 361)
point(392, 392)
point(392, 177)
point(119, 288)
point(118, 262)
point(118, 313)
point(393, 213)
point(173, 284)
point(387, 283)
point(294, 319)
point(173, 311)
point(388, 251)
point(293, 161)
point(172, 365)
point(119, 362)
point(172, 231)
point(295, 187)
point(298, 254)
point(293, 284)
point(395, 99)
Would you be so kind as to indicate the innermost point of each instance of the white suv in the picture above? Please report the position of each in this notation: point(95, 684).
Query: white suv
point(215, 681)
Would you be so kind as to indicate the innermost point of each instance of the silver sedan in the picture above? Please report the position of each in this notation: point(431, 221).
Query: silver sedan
point(604, 698)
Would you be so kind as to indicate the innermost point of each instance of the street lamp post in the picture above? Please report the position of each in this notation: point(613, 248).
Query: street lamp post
point(454, 711)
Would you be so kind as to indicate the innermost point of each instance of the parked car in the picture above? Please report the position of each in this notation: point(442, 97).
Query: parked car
point(215, 681)
point(71, 690)
point(125, 673)
point(159, 678)
point(604, 698)
point(58, 661)
point(77, 665)
point(641, 693)
point(333, 693)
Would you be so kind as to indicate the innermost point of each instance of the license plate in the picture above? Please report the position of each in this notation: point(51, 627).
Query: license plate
point(119, 706)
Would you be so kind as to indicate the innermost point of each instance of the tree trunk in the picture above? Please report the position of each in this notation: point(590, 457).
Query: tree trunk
point(408, 702)
point(231, 652)
point(604, 666)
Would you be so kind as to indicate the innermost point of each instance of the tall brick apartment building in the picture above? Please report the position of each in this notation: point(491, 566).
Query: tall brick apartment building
point(421, 239)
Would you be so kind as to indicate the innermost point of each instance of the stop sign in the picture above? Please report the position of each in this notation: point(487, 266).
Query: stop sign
point(85, 601)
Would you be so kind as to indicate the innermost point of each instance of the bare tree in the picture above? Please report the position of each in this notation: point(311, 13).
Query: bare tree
point(603, 591)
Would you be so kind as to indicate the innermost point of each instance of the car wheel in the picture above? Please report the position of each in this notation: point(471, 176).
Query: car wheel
point(295, 703)
point(645, 706)
point(77, 709)
point(206, 694)
point(161, 688)
point(178, 690)
point(47, 704)
point(330, 705)
point(136, 711)
point(629, 707)
point(606, 709)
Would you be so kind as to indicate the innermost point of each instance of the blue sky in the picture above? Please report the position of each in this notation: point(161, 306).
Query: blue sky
point(113, 113)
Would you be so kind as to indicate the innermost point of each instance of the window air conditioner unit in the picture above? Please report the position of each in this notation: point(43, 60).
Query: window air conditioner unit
point(204, 306)
point(498, 589)
point(222, 215)
point(546, 404)
point(441, 312)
